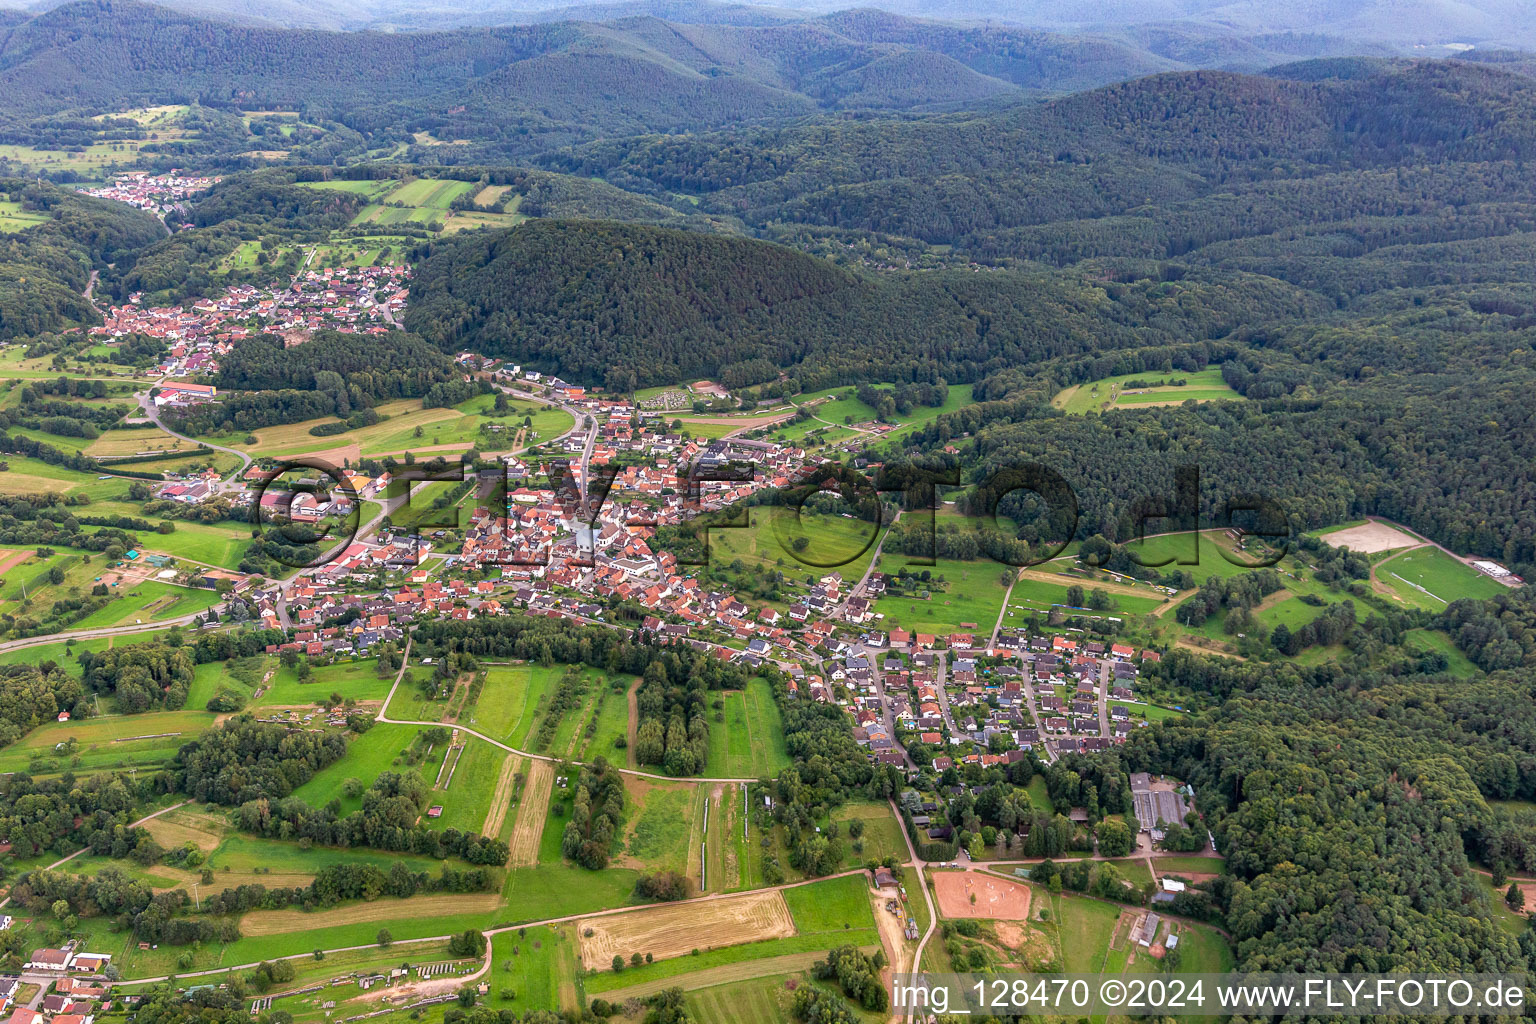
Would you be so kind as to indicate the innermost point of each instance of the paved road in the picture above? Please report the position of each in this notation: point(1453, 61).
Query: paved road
point(922, 884)
point(92, 634)
point(857, 590)
point(152, 413)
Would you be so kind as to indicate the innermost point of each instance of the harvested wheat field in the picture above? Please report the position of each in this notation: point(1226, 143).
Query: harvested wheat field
point(681, 928)
point(1368, 538)
point(502, 798)
point(524, 846)
point(995, 897)
point(282, 922)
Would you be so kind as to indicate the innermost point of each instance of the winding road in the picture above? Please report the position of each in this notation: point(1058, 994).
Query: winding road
point(152, 413)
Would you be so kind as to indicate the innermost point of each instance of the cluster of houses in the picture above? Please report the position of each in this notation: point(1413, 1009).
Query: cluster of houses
point(157, 193)
point(198, 334)
point(75, 996)
point(73, 1000)
point(953, 694)
point(70, 959)
point(345, 299)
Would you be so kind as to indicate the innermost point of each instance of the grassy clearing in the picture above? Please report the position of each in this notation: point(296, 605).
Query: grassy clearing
point(1085, 926)
point(663, 816)
point(1111, 392)
point(351, 680)
point(1427, 640)
point(466, 798)
point(535, 969)
point(749, 742)
point(369, 755)
point(882, 831)
point(957, 596)
point(14, 218)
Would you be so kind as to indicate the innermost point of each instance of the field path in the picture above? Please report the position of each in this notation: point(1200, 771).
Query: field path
point(84, 850)
point(523, 850)
point(501, 798)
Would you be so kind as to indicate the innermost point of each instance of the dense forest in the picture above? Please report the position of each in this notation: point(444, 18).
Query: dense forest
point(579, 297)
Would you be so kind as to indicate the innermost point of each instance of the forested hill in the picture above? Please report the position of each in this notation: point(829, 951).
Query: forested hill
point(986, 182)
point(507, 92)
point(667, 76)
point(44, 269)
point(581, 297)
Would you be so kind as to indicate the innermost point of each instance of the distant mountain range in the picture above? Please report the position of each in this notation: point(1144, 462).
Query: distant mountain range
point(1404, 24)
point(556, 79)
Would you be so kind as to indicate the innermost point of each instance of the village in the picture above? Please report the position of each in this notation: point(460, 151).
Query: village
point(157, 193)
point(579, 539)
point(349, 300)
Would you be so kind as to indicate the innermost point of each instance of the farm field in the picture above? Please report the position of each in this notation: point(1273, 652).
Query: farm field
point(1111, 393)
point(537, 967)
point(351, 680)
point(554, 886)
point(373, 189)
point(103, 741)
point(670, 931)
point(465, 796)
point(660, 819)
point(749, 743)
point(147, 602)
point(444, 429)
point(834, 911)
point(1034, 595)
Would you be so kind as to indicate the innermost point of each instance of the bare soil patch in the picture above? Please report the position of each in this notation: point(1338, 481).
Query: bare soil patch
point(1368, 538)
point(501, 799)
point(280, 922)
point(995, 897)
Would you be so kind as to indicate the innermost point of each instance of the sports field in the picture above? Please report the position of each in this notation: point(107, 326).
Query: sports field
point(1428, 578)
